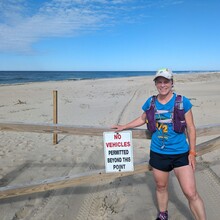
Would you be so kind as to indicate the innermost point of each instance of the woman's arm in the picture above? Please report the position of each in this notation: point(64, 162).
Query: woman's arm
point(191, 133)
point(135, 123)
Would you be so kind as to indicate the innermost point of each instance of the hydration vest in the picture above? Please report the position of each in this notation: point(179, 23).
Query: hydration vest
point(178, 118)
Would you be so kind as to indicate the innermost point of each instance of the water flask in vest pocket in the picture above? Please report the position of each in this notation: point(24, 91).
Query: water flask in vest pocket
point(179, 123)
point(151, 121)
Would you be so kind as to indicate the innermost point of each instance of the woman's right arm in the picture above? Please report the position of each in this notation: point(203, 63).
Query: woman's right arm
point(133, 124)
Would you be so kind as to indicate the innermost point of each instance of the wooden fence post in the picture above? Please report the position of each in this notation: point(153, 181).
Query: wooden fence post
point(55, 119)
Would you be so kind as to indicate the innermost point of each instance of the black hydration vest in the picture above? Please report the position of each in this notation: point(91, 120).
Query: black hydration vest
point(178, 120)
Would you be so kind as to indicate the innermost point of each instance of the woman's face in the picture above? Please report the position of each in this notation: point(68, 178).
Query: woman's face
point(163, 85)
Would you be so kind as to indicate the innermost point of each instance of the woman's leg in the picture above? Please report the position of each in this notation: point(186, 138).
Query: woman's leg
point(186, 178)
point(161, 180)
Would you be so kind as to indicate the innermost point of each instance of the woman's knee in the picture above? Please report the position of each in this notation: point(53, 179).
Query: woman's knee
point(191, 195)
point(161, 187)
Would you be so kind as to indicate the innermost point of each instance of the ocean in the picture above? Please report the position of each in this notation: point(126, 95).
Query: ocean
point(20, 77)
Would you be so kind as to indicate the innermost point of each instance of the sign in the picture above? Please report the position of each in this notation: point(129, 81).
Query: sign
point(118, 151)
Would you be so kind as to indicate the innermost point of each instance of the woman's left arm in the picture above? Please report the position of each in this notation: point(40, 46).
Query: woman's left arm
point(191, 133)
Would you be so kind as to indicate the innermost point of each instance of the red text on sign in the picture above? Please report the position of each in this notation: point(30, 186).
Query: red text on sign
point(117, 136)
point(118, 144)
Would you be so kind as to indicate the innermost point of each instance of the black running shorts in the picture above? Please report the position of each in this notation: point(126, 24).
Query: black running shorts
point(167, 162)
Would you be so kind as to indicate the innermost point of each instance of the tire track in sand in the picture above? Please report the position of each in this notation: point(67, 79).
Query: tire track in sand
point(126, 109)
point(62, 203)
point(103, 203)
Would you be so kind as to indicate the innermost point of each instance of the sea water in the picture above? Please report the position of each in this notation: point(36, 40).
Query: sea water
point(20, 77)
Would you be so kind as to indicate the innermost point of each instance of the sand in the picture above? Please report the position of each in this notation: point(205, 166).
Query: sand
point(26, 157)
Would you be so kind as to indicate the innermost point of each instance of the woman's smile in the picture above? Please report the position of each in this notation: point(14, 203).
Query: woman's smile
point(163, 85)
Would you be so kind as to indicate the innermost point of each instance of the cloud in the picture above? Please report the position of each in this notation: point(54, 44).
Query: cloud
point(19, 28)
point(24, 22)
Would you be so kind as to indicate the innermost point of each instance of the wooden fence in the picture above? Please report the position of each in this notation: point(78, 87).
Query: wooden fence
point(91, 177)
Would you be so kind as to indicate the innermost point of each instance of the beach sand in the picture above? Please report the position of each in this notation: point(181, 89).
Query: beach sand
point(26, 157)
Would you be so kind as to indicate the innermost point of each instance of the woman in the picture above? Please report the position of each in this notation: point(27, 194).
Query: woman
point(169, 149)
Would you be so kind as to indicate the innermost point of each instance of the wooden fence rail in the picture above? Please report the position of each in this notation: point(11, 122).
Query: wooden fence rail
point(91, 131)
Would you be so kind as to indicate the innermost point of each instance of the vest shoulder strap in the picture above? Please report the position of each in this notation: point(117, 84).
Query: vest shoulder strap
point(179, 101)
point(179, 98)
point(153, 99)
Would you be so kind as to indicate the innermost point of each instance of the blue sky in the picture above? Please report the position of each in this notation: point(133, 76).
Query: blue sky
point(109, 34)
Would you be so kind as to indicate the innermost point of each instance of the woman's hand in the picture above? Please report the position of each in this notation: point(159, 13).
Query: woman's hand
point(118, 127)
point(192, 161)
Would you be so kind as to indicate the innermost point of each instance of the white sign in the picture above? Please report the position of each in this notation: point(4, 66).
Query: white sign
point(118, 151)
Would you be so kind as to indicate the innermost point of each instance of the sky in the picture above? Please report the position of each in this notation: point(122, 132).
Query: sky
point(109, 35)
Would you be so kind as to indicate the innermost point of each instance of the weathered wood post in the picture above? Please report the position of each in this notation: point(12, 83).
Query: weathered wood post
point(55, 119)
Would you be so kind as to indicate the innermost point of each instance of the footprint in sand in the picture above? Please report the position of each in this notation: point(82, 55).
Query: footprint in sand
point(84, 106)
point(107, 205)
point(56, 158)
point(22, 213)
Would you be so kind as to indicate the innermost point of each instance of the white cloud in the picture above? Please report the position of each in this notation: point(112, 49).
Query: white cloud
point(24, 22)
point(19, 28)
